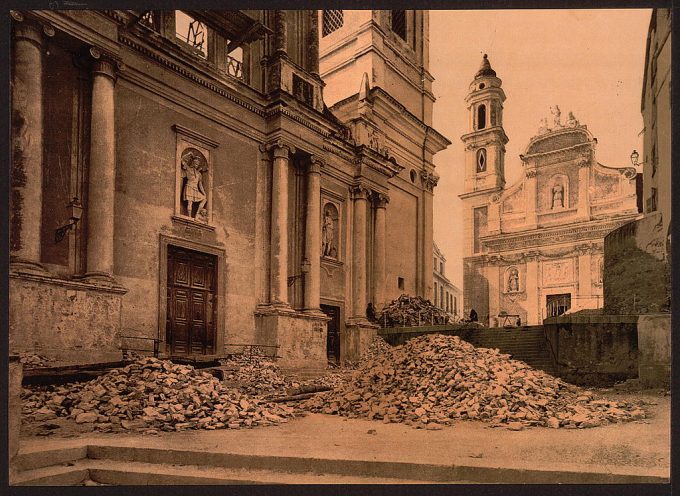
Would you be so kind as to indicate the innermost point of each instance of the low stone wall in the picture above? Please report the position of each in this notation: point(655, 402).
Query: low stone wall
point(594, 350)
point(654, 343)
point(399, 335)
point(66, 320)
point(355, 340)
point(300, 338)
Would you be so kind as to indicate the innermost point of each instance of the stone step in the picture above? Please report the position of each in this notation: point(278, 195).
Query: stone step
point(121, 465)
point(39, 458)
point(56, 475)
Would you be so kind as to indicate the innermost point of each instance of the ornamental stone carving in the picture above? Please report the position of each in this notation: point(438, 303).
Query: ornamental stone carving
point(512, 280)
point(329, 231)
point(194, 191)
point(429, 180)
point(531, 173)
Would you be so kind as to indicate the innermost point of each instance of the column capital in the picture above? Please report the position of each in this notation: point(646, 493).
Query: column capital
point(104, 63)
point(316, 164)
point(429, 180)
point(30, 30)
point(381, 200)
point(280, 148)
point(359, 192)
point(531, 173)
point(585, 162)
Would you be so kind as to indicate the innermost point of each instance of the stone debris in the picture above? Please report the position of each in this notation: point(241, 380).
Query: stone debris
point(411, 311)
point(255, 374)
point(153, 395)
point(33, 360)
point(433, 380)
point(376, 348)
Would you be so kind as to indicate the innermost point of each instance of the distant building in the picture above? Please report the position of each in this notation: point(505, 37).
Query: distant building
point(446, 295)
point(656, 113)
point(637, 256)
point(535, 249)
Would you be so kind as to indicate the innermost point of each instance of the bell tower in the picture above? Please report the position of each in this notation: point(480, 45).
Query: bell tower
point(485, 142)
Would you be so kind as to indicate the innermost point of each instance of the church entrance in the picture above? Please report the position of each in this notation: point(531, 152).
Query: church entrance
point(557, 304)
point(333, 337)
point(192, 302)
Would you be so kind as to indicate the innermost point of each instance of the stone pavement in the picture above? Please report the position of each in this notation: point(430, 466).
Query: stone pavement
point(631, 452)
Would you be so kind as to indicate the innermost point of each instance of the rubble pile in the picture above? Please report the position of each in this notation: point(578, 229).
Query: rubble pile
point(255, 374)
point(152, 394)
point(432, 380)
point(411, 311)
point(33, 360)
point(376, 348)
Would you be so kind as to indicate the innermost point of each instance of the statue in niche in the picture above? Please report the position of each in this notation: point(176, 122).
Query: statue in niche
point(328, 248)
point(194, 166)
point(557, 196)
point(555, 111)
point(571, 120)
point(513, 281)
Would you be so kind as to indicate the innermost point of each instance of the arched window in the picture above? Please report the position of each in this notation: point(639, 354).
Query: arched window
point(481, 116)
point(481, 160)
point(399, 23)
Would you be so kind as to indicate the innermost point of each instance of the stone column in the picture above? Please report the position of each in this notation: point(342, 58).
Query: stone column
point(493, 276)
point(313, 50)
point(429, 183)
point(279, 226)
point(379, 254)
point(313, 237)
point(360, 199)
point(102, 174)
point(280, 33)
point(530, 195)
point(583, 205)
point(533, 289)
point(27, 153)
point(585, 280)
point(262, 224)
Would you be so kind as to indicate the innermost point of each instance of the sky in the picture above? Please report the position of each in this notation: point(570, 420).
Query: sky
point(589, 62)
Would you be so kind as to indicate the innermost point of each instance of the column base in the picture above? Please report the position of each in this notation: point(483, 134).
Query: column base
point(314, 312)
point(18, 265)
point(103, 279)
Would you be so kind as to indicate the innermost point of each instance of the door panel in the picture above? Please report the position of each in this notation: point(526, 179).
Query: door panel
point(192, 300)
point(333, 336)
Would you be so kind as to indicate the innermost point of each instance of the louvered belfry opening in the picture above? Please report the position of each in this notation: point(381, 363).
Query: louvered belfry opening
point(332, 21)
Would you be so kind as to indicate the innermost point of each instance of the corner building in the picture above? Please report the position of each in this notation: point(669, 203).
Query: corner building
point(534, 249)
point(176, 176)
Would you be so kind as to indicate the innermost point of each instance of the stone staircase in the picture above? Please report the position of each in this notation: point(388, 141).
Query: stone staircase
point(527, 344)
point(125, 465)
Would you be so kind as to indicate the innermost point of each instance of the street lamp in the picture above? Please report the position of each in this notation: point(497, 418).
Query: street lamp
point(75, 213)
point(634, 157)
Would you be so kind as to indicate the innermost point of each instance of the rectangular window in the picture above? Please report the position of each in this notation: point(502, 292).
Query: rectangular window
point(435, 294)
point(441, 268)
point(480, 216)
point(192, 32)
point(332, 21)
point(653, 200)
point(399, 23)
point(400, 283)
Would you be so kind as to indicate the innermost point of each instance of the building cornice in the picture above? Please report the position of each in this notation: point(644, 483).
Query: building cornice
point(590, 230)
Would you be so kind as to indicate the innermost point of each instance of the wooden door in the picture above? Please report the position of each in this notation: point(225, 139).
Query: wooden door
point(192, 302)
point(333, 336)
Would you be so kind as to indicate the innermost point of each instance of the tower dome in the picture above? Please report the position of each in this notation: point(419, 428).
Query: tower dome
point(485, 69)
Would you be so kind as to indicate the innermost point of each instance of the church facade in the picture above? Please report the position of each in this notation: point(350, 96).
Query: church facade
point(178, 181)
point(534, 249)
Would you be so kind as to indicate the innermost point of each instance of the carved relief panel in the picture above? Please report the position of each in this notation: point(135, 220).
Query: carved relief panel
point(194, 176)
point(558, 272)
